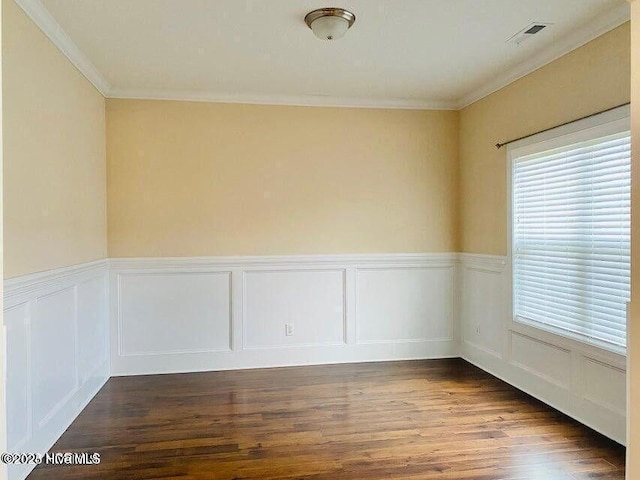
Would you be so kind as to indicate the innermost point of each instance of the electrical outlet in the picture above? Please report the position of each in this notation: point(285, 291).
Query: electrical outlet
point(288, 329)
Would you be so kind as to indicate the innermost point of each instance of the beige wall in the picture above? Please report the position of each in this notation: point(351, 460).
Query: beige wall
point(3, 347)
point(54, 154)
point(589, 79)
point(190, 179)
point(212, 179)
point(633, 333)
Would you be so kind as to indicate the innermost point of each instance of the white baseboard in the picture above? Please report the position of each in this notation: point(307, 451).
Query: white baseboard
point(581, 381)
point(194, 314)
point(57, 343)
point(186, 363)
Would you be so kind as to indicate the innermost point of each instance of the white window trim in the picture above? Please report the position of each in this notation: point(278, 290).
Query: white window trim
point(608, 123)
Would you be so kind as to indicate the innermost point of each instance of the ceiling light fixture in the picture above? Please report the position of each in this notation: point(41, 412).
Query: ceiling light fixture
point(329, 23)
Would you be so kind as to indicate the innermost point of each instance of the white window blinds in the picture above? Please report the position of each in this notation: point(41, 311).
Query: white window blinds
point(571, 239)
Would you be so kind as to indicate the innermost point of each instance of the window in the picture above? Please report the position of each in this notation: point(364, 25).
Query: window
point(571, 216)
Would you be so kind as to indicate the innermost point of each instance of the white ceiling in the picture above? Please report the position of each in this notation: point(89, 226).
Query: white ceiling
point(410, 53)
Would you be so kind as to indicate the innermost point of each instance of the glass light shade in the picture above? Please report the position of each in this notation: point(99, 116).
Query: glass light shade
point(329, 27)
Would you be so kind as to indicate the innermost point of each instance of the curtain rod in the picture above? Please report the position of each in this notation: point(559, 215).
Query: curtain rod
point(500, 145)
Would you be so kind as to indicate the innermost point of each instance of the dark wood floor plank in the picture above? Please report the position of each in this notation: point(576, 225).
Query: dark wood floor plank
point(440, 419)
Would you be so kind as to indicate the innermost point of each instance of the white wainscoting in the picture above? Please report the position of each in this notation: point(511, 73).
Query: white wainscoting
point(56, 328)
point(195, 314)
point(161, 316)
point(312, 301)
point(585, 382)
point(198, 314)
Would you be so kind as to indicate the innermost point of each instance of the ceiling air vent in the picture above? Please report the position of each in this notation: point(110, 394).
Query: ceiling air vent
point(528, 32)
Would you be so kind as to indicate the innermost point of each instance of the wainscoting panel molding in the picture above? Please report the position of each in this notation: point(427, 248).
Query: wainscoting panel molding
point(483, 292)
point(545, 360)
point(276, 311)
point(311, 301)
point(584, 382)
point(165, 314)
point(57, 352)
point(419, 300)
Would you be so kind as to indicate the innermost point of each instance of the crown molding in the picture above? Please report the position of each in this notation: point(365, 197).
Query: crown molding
point(52, 29)
point(590, 31)
point(290, 100)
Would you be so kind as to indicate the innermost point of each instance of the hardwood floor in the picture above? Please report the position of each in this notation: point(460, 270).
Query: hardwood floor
point(438, 419)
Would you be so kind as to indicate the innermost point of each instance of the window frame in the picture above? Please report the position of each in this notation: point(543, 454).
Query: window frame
point(608, 123)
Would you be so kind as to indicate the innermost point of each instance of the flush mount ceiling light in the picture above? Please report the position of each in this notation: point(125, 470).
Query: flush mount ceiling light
point(329, 23)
